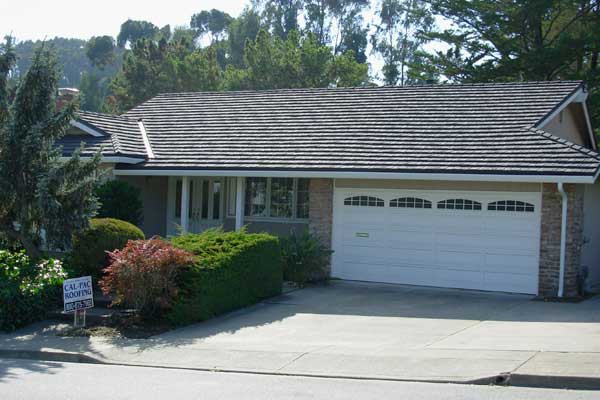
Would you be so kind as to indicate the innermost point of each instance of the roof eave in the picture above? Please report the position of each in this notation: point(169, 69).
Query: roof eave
point(579, 95)
point(582, 179)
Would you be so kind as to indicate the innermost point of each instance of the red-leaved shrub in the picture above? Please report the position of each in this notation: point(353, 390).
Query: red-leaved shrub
point(143, 275)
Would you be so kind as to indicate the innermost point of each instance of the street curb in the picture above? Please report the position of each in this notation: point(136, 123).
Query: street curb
point(555, 382)
point(57, 356)
point(503, 379)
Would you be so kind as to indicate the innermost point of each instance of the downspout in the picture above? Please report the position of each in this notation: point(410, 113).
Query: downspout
point(563, 240)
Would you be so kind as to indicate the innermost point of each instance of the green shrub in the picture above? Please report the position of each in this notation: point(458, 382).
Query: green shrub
point(305, 259)
point(232, 270)
point(89, 254)
point(27, 290)
point(120, 200)
point(142, 275)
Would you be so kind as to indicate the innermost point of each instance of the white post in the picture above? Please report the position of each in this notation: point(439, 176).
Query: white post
point(239, 203)
point(185, 203)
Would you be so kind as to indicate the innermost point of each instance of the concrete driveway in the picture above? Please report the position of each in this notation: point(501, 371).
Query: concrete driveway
point(392, 331)
point(369, 331)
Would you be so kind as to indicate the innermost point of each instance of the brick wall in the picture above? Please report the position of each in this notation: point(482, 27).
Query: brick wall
point(320, 213)
point(550, 239)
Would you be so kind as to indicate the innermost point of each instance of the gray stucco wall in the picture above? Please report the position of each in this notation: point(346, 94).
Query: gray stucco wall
point(571, 125)
point(154, 198)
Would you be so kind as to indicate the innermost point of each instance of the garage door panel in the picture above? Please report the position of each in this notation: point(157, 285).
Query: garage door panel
point(511, 263)
point(410, 275)
point(448, 223)
point(406, 239)
point(370, 273)
point(526, 226)
point(463, 260)
point(474, 249)
point(392, 257)
point(506, 244)
point(410, 257)
point(365, 255)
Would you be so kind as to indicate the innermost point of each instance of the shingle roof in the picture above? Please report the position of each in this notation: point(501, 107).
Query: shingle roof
point(122, 136)
point(466, 129)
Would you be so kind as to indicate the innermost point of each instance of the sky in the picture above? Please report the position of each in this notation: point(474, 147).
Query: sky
point(39, 19)
point(82, 19)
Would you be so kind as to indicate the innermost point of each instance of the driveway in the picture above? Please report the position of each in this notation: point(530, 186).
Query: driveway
point(380, 330)
point(366, 330)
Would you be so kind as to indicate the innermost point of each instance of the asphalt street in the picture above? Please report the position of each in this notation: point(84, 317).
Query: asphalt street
point(25, 379)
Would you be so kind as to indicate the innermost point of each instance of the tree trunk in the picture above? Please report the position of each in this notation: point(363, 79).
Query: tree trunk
point(30, 248)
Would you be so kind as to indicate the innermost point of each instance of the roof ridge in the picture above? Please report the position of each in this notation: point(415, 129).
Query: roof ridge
point(94, 113)
point(566, 143)
point(370, 87)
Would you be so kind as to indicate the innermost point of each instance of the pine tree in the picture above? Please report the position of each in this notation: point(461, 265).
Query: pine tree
point(40, 192)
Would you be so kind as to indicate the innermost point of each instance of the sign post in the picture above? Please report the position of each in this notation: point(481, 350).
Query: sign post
point(78, 295)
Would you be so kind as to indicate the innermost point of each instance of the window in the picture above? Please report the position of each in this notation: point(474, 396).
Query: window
point(511, 205)
point(256, 197)
point(216, 200)
point(459, 204)
point(364, 201)
point(410, 202)
point(281, 198)
point(204, 198)
point(302, 199)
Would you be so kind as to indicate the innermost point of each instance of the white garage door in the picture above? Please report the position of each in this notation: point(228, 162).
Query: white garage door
point(471, 240)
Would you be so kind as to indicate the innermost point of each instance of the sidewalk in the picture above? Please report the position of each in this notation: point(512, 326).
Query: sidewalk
point(293, 336)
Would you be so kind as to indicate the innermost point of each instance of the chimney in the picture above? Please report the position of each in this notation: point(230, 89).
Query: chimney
point(66, 96)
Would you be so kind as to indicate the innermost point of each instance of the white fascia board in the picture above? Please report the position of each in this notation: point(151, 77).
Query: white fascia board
point(111, 159)
point(145, 139)
point(86, 128)
point(588, 123)
point(580, 96)
point(361, 175)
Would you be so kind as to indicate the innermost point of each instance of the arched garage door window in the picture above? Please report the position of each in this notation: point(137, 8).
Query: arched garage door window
point(410, 202)
point(364, 201)
point(459, 204)
point(511, 205)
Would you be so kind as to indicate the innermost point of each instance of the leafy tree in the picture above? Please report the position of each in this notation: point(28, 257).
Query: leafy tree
point(213, 23)
point(132, 31)
point(520, 40)
point(296, 62)
point(243, 28)
point(94, 89)
point(101, 51)
point(281, 16)
point(318, 19)
point(398, 38)
point(151, 68)
point(350, 32)
point(39, 192)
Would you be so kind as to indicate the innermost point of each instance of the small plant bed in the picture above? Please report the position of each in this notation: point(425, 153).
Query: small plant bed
point(121, 326)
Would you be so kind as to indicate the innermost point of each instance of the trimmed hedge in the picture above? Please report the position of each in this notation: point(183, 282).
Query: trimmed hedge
point(88, 256)
point(232, 270)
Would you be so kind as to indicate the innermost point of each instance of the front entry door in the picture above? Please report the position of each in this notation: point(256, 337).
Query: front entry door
point(206, 203)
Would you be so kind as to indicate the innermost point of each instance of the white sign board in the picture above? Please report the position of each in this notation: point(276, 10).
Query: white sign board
point(78, 293)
